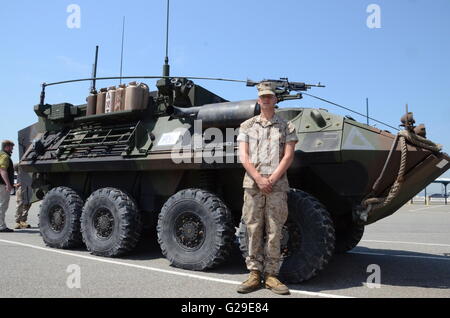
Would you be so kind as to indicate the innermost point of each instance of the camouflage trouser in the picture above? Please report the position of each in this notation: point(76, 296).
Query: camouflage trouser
point(22, 208)
point(264, 215)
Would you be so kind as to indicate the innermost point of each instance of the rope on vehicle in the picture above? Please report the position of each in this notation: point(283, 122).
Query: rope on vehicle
point(376, 203)
point(420, 141)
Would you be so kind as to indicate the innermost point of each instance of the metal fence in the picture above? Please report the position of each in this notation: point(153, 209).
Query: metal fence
point(429, 200)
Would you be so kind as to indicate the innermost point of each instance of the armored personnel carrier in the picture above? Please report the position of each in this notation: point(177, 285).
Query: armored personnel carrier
point(167, 159)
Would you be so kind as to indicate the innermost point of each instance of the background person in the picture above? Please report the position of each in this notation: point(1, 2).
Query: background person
point(6, 181)
point(22, 208)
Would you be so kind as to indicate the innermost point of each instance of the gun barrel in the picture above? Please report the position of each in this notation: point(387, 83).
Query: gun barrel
point(297, 86)
point(220, 115)
point(283, 84)
point(316, 85)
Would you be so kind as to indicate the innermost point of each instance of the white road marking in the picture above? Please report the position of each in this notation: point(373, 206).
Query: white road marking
point(443, 258)
point(412, 243)
point(203, 277)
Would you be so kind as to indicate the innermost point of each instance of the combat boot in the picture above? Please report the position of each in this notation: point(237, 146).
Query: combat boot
point(271, 282)
point(251, 284)
point(25, 225)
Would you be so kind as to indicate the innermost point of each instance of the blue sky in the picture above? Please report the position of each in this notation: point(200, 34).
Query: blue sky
point(407, 60)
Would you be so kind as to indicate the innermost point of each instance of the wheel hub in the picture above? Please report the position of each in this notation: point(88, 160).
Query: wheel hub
point(189, 231)
point(103, 223)
point(57, 218)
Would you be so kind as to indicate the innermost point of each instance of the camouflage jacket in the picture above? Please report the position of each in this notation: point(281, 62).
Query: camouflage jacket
point(267, 140)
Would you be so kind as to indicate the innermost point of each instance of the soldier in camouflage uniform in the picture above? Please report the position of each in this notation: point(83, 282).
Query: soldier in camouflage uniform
point(266, 145)
point(22, 208)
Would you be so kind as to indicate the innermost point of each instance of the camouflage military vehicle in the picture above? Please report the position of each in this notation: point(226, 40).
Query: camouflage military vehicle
point(103, 177)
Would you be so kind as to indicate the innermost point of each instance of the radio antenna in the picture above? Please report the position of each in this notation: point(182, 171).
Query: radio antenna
point(94, 70)
point(166, 67)
point(121, 54)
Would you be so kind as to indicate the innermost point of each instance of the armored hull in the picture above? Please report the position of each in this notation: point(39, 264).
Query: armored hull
point(187, 149)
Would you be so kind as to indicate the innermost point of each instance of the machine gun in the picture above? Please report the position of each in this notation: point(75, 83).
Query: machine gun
point(283, 87)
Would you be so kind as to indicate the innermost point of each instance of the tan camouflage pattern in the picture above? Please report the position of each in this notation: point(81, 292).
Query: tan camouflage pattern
point(22, 208)
point(265, 88)
point(264, 214)
point(267, 140)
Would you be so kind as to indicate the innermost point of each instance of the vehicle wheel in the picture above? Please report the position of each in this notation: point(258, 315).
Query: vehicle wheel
point(348, 236)
point(195, 230)
point(110, 223)
point(59, 218)
point(308, 237)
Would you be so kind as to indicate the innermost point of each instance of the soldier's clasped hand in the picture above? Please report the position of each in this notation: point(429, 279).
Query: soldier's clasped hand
point(264, 185)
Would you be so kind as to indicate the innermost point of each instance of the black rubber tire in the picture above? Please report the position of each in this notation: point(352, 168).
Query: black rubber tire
point(216, 220)
point(348, 237)
point(126, 224)
point(315, 245)
point(71, 205)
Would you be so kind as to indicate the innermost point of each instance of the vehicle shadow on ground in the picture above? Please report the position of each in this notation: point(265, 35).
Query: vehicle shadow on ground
point(235, 264)
point(351, 270)
point(32, 230)
point(343, 272)
point(148, 249)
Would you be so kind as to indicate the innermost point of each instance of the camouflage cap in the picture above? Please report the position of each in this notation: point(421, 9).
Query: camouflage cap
point(265, 88)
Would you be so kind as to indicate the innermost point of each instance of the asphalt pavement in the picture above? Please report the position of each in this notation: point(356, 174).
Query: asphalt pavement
point(404, 255)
